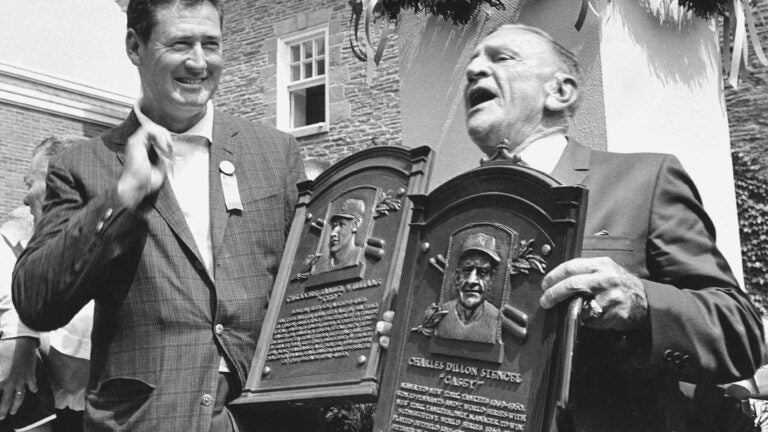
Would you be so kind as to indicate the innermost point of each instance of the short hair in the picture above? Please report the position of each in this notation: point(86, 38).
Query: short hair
point(55, 144)
point(567, 61)
point(142, 14)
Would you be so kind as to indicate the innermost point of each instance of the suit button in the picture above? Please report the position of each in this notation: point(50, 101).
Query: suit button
point(677, 358)
point(686, 360)
point(219, 329)
point(668, 354)
point(206, 400)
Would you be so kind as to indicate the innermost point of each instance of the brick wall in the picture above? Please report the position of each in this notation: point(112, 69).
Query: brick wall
point(21, 129)
point(359, 114)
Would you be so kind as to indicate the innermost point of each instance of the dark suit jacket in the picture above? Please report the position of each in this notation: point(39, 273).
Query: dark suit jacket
point(645, 213)
point(161, 322)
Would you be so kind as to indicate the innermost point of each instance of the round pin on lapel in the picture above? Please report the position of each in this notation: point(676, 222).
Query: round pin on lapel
point(227, 167)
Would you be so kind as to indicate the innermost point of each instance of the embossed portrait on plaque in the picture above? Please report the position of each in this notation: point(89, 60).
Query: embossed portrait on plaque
point(476, 288)
point(349, 221)
point(474, 304)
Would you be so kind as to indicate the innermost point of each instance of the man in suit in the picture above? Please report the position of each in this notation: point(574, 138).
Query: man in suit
point(471, 317)
point(174, 222)
point(662, 305)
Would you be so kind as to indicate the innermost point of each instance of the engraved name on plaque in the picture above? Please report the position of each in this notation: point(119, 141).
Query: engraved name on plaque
point(343, 256)
point(472, 350)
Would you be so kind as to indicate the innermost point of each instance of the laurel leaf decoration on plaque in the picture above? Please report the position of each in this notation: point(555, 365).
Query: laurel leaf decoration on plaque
point(526, 260)
point(387, 203)
point(432, 317)
point(307, 265)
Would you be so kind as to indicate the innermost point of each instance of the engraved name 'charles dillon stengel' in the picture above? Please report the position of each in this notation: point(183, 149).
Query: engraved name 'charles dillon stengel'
point(458, 368)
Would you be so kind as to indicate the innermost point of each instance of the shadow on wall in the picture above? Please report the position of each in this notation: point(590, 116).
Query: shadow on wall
point(433, 54)
point(652, 24)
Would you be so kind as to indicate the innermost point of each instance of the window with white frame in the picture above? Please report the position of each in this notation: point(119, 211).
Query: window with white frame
point(302, 83)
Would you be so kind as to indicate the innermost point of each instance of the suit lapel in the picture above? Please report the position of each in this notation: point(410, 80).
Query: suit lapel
point(165, 203)
point(223, 147)
point(573, 166)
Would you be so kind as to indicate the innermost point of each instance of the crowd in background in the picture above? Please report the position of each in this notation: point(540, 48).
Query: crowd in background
point(43, 375)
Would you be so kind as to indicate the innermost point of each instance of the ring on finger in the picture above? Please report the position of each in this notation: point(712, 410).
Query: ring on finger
point(591, 310)
point(19, 392)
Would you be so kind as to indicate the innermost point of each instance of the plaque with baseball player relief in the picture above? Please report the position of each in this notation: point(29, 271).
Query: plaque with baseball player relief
point(471, 348)
point(342, 261)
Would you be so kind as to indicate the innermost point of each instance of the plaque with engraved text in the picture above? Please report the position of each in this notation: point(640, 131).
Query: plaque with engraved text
point(343, 255)
point(472, 350)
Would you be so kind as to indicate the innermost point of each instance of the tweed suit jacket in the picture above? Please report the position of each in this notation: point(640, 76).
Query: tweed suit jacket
point(161, 321)
point(645, 213)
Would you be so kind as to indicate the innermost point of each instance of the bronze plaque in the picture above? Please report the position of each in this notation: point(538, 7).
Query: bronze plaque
point(343, 255)
point(472, 350)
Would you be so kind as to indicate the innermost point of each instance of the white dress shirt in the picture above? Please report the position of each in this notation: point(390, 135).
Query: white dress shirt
point(188, 176)
point(544, 153)
point(14, 234)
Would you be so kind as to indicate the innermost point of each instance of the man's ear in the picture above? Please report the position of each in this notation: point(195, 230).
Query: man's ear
point(562, 92)
point(132, 46)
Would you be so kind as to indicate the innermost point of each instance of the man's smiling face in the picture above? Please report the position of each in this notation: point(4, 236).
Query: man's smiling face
point(180, 65)
point(506, 87)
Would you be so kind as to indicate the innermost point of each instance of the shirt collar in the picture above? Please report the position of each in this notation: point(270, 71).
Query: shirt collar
point(544, 153)
point(202, 128)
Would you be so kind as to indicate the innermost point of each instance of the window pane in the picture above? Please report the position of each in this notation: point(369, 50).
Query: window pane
point(308, 70)
point(298, 108)
point(307, 49)
point(308, 106)
point(295, 53)
point(320, 46)
point(316, 104)
point(320, 70)
point(295, 72)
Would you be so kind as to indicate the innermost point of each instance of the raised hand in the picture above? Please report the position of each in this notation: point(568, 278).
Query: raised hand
point(148, 156)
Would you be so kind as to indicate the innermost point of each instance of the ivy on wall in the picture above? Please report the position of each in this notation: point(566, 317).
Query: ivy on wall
point(751, 176)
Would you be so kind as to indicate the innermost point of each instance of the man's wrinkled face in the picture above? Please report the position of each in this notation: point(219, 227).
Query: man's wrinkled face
point(180, 65)
point(35, 181)
point(342, 234)
point(505, 92)
point(473, 279)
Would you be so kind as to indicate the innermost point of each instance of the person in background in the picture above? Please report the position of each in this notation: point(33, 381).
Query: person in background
point(26, 403)
point(66, 350)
